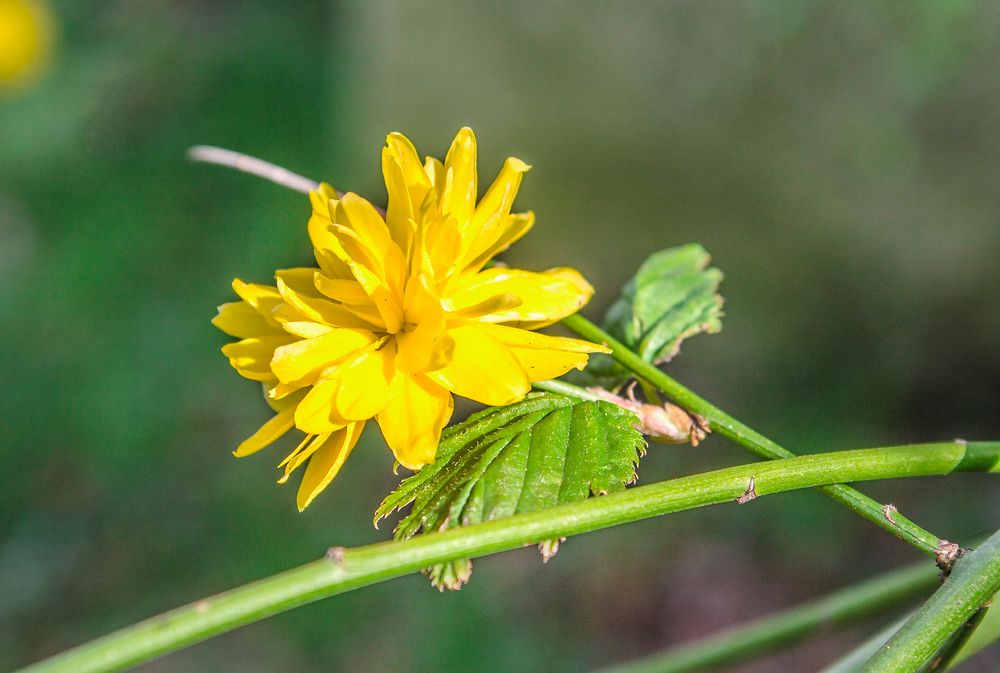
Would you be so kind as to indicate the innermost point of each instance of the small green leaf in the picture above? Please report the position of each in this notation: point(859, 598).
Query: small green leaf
point(546, 450)
point(672, 296)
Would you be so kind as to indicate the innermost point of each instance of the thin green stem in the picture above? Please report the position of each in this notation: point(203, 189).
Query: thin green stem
point(972, 583)
point(347, 569)
point(650, 392)
point(727, 426)
point(564, 388)
point(791, 626)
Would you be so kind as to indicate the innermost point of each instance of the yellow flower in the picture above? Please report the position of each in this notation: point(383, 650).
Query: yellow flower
point(401, 315)
point(25, 39)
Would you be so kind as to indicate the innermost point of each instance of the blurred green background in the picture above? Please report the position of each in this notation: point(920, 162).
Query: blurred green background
point(840, 161)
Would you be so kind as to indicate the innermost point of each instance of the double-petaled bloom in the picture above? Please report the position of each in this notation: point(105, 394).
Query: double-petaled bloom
point(400, 315)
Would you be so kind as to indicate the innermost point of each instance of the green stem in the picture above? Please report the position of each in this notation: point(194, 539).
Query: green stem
point(770, 633)
point(984, 636)
point(987, 634)
point(652, 395)
point(956, 642)
point(974, 580)
point(727, 426)
point(564, 388)
point(347, 569)
point(856, 658)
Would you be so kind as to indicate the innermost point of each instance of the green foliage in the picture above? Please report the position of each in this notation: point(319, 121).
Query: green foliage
point(672, 296)
point(543, 451)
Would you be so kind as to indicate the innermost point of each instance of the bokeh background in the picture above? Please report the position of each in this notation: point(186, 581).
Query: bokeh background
point(840, 160)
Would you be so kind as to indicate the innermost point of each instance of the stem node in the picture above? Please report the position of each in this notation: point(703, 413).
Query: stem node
point(750, 493)
point(946, 554)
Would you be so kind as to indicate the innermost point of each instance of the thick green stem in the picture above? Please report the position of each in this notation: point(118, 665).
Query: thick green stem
point(972, 583)
point(770, 633)
point(347, 569)
point(986, 635)
point(944, 657)
point(856, 658)
point(727, 426)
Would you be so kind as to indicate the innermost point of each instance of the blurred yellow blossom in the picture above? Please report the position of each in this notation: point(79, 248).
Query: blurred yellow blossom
point(26, 39)
point(400, 315)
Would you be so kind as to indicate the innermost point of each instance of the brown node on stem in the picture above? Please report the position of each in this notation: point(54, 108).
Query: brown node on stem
point(750, 493)
point(946, 554)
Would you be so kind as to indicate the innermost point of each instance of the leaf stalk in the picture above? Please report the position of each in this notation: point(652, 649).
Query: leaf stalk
point(729, 427)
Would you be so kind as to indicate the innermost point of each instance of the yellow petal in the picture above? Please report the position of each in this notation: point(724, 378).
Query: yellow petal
point(516, 337)
point(545, 365)
point(405, 155)
point(321, 197)
point(544, 357)
point(514, 227)
point(306, 329)
point(491, 214)
point(412, 421)
point(326, 462)
point(399, 210)
point(459, 196)
point(274, 428)
point(286, 401)
point(285, 313)
point(252, 357)
point(263, 298)
point(313, 414)
point(387, 303)
point(346, 291)
point(360, 216)
point(299, 278)
point(365, 237)
point(366, 313)
point(424, 343)
point(407, 185)
point(500, 196)
point(442, 247)
point(546, 297)
point(424, 349)
point(298, 362)
point(279, 392)
point(300, 454)
point(302, 296)
point(365, 384)
point(375, 260)
point(490, 305)
point(241, 320)
point(482, 368)
point(325, 244)
point(351, 295)
point(434, 169)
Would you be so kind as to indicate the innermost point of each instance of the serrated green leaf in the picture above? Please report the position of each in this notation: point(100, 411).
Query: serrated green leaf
point(673, 296)
point(546, 450)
